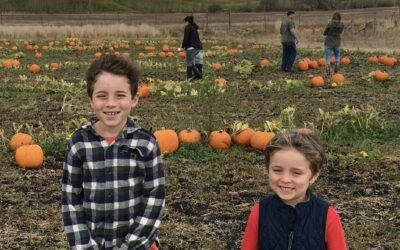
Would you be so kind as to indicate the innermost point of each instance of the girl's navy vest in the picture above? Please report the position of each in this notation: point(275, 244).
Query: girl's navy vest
point(285, 227)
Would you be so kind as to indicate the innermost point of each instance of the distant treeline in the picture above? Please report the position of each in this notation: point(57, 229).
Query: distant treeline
point(84, 6)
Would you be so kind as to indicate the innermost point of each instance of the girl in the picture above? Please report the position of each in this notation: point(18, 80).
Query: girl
point(293, 218)
point(192, 44)
point(332, 32)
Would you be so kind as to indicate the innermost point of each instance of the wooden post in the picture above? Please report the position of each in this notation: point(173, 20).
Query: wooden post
point(229, 20)
point(375, 24)
point(206, 21)
point(352, 26)
point(265, 21)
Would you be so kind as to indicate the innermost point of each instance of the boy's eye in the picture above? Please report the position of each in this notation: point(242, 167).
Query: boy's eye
point(277, 170)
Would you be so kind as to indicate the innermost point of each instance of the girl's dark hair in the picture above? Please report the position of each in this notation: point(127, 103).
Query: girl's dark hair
point(190, 20)
point(113, 64)
point(336, 16)
point(306, 142)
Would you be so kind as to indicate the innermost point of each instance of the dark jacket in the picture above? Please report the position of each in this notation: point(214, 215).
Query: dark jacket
point(332, 32)
point(298, 228)
point(191, 38)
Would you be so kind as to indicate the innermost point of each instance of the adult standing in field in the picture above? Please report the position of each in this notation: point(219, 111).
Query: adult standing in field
point(332, 33)
point(289, 41)
point(192, 45)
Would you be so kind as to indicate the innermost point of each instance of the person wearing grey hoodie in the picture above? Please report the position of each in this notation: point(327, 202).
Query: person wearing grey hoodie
point(332, 33)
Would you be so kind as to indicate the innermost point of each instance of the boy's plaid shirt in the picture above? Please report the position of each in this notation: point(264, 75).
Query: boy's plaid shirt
point(112, 195)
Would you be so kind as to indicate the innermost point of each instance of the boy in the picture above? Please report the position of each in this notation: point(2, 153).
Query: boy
point(113, 180)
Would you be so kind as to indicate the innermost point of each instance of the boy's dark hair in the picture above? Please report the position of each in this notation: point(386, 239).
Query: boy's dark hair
point(113, 64)
point(290, 12)
point(306, 142)
point(336, 16)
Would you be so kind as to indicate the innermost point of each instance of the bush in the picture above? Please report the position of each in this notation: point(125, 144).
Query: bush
point(214, 8)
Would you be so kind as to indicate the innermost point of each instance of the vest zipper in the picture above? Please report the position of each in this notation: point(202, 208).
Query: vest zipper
point(290, 240)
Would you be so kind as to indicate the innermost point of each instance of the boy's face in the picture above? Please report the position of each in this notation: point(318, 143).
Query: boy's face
point(290, 175)
point(112, 102)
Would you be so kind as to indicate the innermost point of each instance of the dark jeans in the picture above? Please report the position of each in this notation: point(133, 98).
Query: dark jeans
point(289, 53)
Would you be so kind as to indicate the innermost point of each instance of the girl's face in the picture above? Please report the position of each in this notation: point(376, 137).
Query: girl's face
point(112, 102)
point(290, 175)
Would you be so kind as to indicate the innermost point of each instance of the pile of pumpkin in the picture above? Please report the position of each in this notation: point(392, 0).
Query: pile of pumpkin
point(169, 139)
point(27, 153)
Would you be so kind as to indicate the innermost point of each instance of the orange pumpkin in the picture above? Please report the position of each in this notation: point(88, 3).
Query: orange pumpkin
point(381, 75)
point(338, 78)
point(20, 139)
point(55, 66)
point(98, 54)
point(141, 55)
point(16, 63)
point(190, 136)
point(333, 60)
point(220, 82)
point(373, 59)
point(321, 62)
point(232, 52)
point(29, 156)
point(345, 60)
point(302, 65)
point(138, 42)
point(167, 140)
point(6, 64)
point(317, 81)
point(219, 140)
point(162, 54)
point(38, 55)
point(34, 68)
point(264, 62)
point(217, 67)
point(243, 137)
point(260, 139)
point(181, 54)
point(144, 90)
point(312, 64)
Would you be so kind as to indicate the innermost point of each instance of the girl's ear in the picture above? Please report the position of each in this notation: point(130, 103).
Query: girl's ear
point(135, 101)
point(314, 178)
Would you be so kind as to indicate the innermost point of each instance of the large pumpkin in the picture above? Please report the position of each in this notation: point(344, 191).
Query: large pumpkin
point(243, 137)
point(190, 136)
point(167, 140)
point(29, 156)
point(219, 140)
point(260, 139)
point(20, 139)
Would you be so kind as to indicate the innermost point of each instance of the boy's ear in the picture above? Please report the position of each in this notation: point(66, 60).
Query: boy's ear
point(314, 178)
point(135, 101)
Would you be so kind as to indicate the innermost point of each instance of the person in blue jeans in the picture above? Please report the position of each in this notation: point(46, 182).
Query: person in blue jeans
point(332, 33)
point(192, 45)
point(289, 41)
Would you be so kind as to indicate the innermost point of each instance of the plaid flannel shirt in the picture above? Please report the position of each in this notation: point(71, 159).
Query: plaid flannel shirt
point(112, 195)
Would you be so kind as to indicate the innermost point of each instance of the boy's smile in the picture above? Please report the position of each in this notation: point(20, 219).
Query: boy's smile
point(112, 102)
point(290, 175)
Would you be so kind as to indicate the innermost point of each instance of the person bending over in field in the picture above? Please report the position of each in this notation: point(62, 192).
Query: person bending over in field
point(293, 217)
point(113, 179)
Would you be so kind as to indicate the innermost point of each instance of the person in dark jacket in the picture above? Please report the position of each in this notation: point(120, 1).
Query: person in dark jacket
point(192, 45)
point(289, 41)
point(333, 31)
point(293, 217)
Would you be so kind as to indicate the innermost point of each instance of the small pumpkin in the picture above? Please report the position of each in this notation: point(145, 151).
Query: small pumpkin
point(381, 75)
point(260, 139)
point(312, 64)
point(138, 42)
point(317, 81)
point(219, 140)
point(264, 62)
point(34, 68)
point(20, 139)
point(243, 137)
point(182, 54)
point(321, 62)
point(167, 140)
point(217, 66)
point(55, 66)
point(302, 65)
point(373, 59)
point(220, 82)
point(190, 136)
point(29, 156)
point(144, 90)
point(338, 78)
point(345, 60)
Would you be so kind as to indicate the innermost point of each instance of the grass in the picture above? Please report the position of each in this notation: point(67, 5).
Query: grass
point(209, 192)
